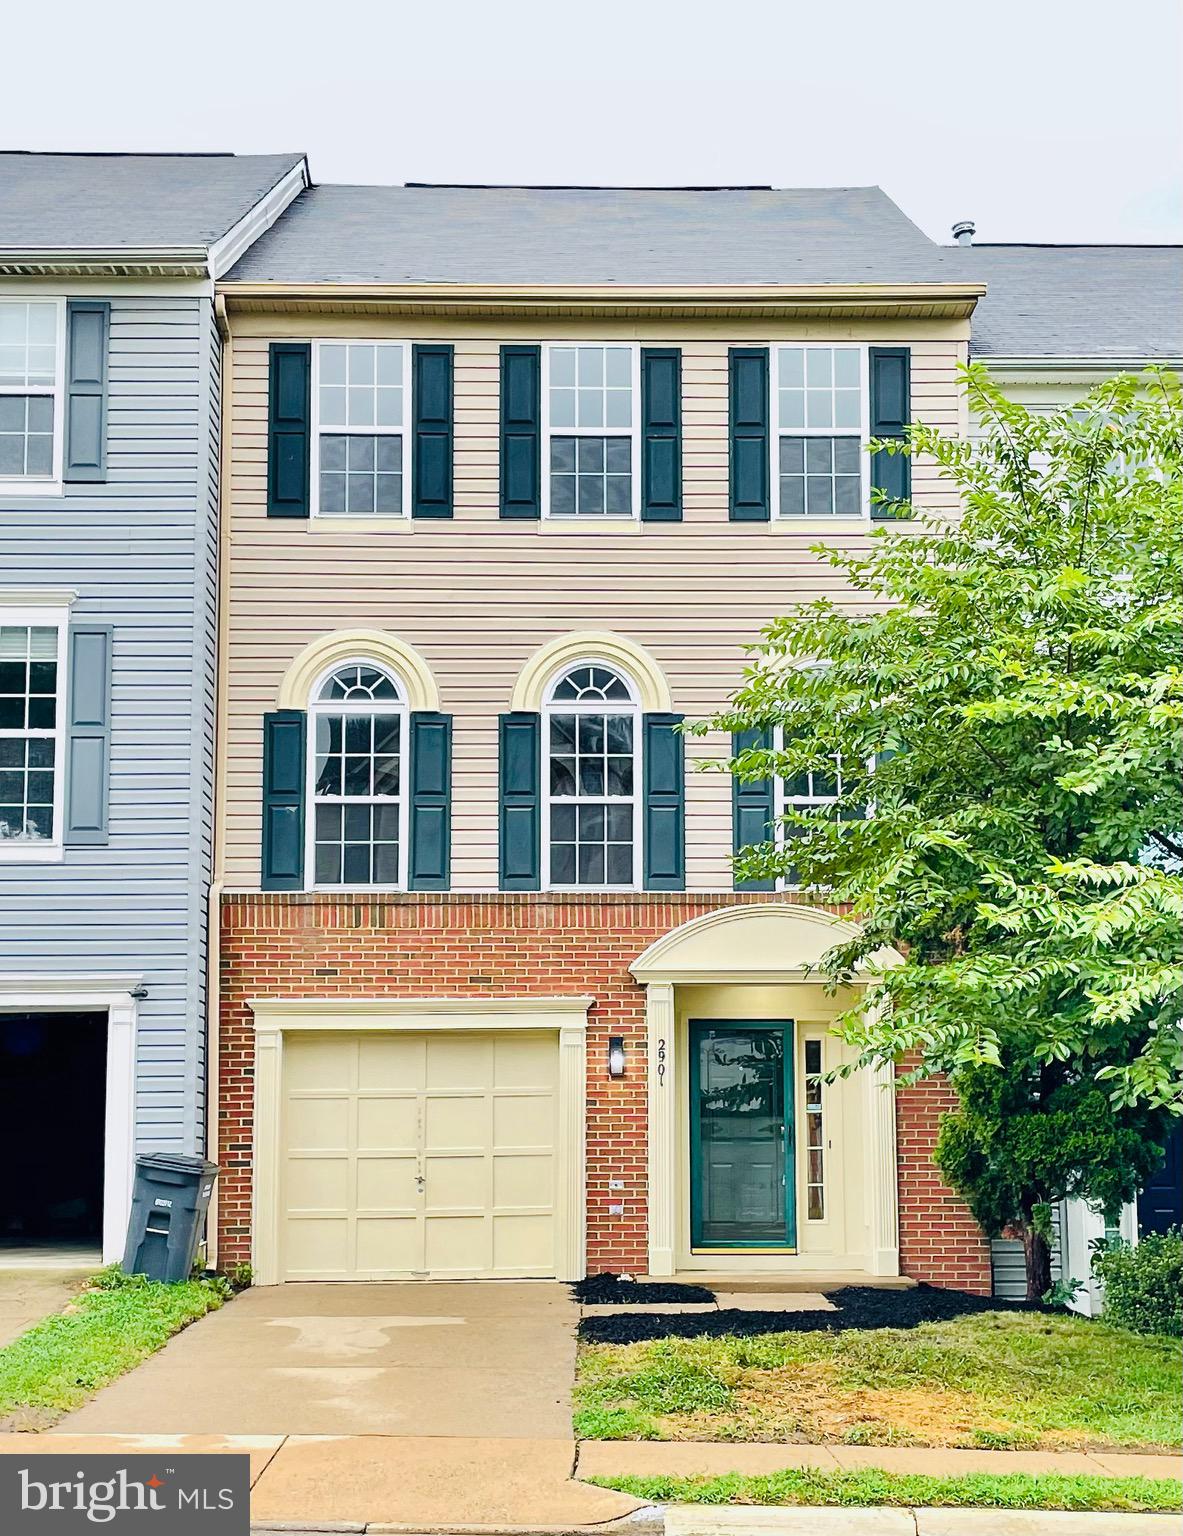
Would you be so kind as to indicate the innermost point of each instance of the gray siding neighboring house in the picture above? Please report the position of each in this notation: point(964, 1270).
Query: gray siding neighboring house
point(108, 534)
point(1056, 320)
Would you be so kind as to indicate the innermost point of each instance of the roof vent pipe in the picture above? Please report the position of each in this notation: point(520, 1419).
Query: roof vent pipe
point(964, 231)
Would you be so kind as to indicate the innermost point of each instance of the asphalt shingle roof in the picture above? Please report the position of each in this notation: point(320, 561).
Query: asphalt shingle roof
point(56, 202)
point(426, 234)
point(1076, 300)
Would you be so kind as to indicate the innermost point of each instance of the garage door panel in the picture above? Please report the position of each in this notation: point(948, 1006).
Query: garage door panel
point(525, 1061)
point(387, 1184)
point(523, 1120)
point(387, 1245)
point(455, 1121)
point(523, 1179)
point(394, 1061)
point(523, 1243)
point(387, 1124)
point(318, 1125)
point(318, 1184)
point(456, 1181)
point(318, 1246)
point(457, 1243)
point(458, 1061)
point(321, 1063)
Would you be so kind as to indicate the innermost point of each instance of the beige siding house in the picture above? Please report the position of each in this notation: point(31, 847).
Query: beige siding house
point(512, 478)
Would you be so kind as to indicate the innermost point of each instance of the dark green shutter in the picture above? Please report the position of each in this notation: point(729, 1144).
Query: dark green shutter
point(283, 800)
point(289, 428)
point(88, 734)
point(88, 323)
point(431, 452)
point(661, 434)
point(891, 411)
point(520, 828)
point(521, 431)
point(429, 855)
point(665, 803)
point(752, 807)
point(748, 389)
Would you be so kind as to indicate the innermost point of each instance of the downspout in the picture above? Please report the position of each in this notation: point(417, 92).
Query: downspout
point(213, 994)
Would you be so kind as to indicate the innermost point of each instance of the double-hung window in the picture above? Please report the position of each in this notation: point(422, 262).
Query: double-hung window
point(357, 739)
point(591, 448)
point(32, 342)
point(361, 393)
point(820, 463)
point(592, 725)
point(813, 789)
point(32, 677)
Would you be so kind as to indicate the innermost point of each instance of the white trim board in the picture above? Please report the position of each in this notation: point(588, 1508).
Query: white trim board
point(112, 994)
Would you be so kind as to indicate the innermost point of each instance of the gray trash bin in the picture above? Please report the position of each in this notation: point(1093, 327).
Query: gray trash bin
point(168, 1206)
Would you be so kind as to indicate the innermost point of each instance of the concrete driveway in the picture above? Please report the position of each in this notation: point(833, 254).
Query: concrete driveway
point(478, 1360)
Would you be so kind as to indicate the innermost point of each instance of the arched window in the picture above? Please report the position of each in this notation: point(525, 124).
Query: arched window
point(592, 728)
point(357, 743)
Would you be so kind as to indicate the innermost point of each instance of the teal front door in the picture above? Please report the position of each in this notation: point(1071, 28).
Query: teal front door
point(741, 1135)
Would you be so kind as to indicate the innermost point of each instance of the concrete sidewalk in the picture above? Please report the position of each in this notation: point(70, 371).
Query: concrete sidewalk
point(384, 1482)
point(406, 1483)
point(701, 1520)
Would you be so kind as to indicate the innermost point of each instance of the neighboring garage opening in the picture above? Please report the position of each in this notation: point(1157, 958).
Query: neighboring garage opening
point(53, 1069)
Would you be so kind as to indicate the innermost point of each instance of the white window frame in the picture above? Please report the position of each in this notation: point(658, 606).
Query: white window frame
point(609, 520)
point(842, 519)
point(43, 485)
point(51, 850)
point(347, 519)
point(344, 707)
point(782, 801)
point(551, 707)
point(808, 1037)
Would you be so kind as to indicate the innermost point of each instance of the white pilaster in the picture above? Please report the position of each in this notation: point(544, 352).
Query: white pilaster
point(119, 1126)
point(571, 1197)
point(663, 1100)
point(882, 1188)
point(265, 1196)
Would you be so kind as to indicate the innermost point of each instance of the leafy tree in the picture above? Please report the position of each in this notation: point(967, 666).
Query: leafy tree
point(1004, 691)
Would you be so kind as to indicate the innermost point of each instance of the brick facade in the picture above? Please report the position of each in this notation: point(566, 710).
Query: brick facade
point(544, 946)
point(939, 1240)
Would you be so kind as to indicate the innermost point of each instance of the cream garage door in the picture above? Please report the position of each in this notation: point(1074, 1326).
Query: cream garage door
point(419, 1155)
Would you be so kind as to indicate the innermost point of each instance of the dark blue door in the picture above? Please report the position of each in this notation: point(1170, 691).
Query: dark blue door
point(1160, 1205)
point(741, 1135)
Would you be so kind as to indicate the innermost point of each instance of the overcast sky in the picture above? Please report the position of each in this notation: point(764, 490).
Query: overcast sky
point(1055, 120)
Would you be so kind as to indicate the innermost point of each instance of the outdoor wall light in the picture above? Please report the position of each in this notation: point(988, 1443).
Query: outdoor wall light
point(616, 1056)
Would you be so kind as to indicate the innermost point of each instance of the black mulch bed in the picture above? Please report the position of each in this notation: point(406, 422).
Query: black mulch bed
point(608, 1290)
point(859, 1306)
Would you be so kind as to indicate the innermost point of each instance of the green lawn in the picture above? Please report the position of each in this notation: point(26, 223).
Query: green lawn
point(991, 1379)
point(1011, 1491)
point(108, 1329)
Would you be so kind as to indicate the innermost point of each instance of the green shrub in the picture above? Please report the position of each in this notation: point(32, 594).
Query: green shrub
point(1144, 1285)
